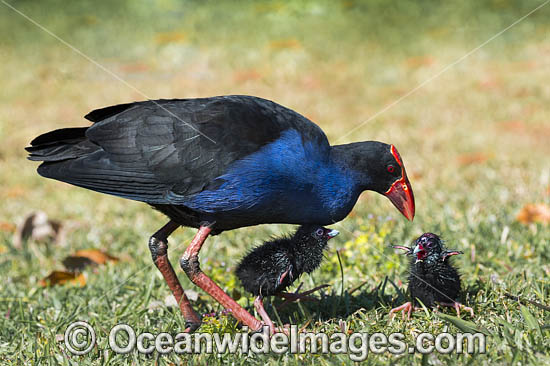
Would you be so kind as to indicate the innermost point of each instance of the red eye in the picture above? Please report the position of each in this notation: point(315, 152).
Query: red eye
point(390, 168)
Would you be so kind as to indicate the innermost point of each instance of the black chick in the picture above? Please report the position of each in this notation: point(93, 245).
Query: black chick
point(273, 266)
point(432, 279)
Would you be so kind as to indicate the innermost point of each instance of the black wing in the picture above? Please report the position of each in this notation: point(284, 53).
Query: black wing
point(145, 150)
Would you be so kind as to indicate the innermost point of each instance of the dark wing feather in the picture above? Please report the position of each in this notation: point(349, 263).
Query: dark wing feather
point(145, 150)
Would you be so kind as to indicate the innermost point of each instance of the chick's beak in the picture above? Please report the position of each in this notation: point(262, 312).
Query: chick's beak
point(332, 233)
point(402, 197)
point(419, 252)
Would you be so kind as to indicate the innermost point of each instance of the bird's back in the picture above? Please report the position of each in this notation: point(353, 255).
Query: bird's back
point(434, 282)
point(268, 268)
point(168, 152)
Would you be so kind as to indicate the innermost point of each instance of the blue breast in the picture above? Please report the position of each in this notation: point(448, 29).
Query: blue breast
point(288, 180)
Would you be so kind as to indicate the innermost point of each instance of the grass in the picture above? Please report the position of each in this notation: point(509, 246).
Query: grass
point(474, 140)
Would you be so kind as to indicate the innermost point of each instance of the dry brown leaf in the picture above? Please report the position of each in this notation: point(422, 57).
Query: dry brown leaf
point(77, 264)
point(62, 277)
point(86, 257)
point(534, 212)
point(95, 255)
point(473, 158)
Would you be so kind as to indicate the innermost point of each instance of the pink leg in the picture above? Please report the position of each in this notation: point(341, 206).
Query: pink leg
point(296, 296)
point(406, 307)
point(259, 305)
point(189, 262)
point(457, 307)
point(158, 244)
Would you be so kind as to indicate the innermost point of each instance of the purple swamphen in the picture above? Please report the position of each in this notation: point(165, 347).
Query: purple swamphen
point(218, 164)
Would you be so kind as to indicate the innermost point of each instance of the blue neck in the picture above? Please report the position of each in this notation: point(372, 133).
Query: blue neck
point(289, 181)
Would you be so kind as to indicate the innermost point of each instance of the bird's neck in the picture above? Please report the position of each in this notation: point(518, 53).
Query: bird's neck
point(347, 158)
point(337, 187)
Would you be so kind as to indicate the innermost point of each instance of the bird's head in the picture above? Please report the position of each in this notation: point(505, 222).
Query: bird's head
point(314, 235)
point(428, 246)
point(383, 172)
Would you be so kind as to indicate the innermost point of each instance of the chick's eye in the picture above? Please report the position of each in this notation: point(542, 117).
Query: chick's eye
point(319, 232)
point(390, 168)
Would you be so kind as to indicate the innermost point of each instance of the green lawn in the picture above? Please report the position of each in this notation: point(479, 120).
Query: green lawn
point(474, 141)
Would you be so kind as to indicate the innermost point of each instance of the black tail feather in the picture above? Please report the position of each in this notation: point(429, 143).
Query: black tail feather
point(62, 144)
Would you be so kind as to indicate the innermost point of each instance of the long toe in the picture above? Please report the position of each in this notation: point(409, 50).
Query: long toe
point(468, 309)
point(406, 307)
point(290, 297)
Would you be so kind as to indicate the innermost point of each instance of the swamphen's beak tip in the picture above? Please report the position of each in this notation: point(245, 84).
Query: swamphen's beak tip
point(402, 197)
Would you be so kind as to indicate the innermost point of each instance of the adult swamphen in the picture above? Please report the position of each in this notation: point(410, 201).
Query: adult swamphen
point(218, 164)
point(273, 266)
point(432, 278)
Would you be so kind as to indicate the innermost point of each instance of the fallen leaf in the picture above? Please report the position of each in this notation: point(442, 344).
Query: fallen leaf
point(473, 158)
point(62, 277)
point(77, 264)
point(85, 257)
point(534, 212)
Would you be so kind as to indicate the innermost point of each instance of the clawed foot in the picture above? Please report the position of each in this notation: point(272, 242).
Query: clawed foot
point(266, 320)
point(457, 307)
point(290, 297)
point(285, 329)
point(406, 307)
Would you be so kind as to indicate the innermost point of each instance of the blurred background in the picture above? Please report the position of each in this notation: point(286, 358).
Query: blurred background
point(475, 138)
point(337, 62)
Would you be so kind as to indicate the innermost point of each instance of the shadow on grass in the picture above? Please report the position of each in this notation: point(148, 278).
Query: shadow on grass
point(335, 306)
point(331, 305)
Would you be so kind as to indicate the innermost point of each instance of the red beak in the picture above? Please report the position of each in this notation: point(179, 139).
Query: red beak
point(400, 192)
point(402, 197)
